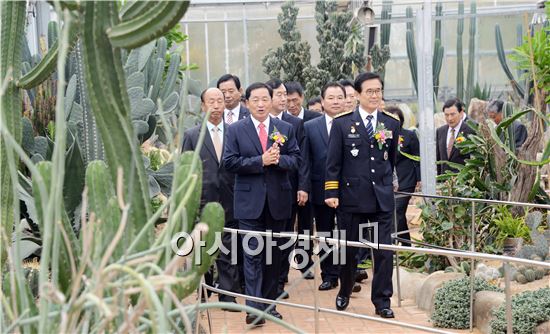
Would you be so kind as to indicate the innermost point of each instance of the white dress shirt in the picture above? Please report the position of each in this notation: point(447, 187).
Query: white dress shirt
point(211, 126)
point(257, 123)
point(235, 113)
point(301, 114)
point(280, 116)
point(328, 122)
point(364, 115)
point(457, 129)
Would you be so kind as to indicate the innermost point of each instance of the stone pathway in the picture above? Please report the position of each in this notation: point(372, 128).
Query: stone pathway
point(303, 292)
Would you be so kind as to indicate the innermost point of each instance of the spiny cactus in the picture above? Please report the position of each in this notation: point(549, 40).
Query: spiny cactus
point(385, 28)
point(438, 51)
point(471, 53)
point(502, 60)
point(540, 243)
point(459, 57)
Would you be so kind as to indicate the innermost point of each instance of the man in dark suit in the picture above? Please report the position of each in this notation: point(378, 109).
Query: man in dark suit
point(230, 85)
point(317, 134)
point(295, 100)
point(519, 131)
point(446, 135)
point(363, 254)
point(263, 193)
point(298, 179)
point(361, 157)
point(408, 172)
point(217, 183)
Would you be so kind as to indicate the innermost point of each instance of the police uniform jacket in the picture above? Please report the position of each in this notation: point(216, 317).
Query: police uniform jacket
point(359, 172)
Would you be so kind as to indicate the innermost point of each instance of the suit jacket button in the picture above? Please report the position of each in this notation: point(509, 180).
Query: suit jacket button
point(373, 183)
point(372, 170)
point(347, 184)
point(372, 146)
point(372, 158)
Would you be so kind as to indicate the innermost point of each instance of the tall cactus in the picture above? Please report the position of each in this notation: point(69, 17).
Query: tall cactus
point(385, 28)
point(438, 50)
point(502, 60)
point(12, 32)
point(459, 56)
point(471, 53)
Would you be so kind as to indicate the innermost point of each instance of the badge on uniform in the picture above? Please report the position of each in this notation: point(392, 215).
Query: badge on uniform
point(353, 133)
point(385, 155)
point(354, 152)
point(352, 130)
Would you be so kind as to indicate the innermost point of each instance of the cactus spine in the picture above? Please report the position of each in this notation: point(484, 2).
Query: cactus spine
point(459, 57)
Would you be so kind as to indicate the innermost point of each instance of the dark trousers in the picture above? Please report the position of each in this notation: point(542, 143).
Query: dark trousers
point(285, 253)
point(259, 270)
point(228, 272)
point(325, 222)
point(382, 289)
point(305, 222)
point(401, 204)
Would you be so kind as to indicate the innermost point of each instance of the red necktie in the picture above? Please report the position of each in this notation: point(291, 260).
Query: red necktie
point(263, 136)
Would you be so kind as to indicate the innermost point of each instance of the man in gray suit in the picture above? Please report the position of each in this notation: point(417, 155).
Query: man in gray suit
point(217, 183)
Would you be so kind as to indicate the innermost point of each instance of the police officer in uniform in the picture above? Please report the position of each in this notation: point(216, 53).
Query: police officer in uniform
point(361, 158)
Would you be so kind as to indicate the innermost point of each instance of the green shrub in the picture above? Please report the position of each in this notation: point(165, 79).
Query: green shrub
point(529, 309)
point(452, 302)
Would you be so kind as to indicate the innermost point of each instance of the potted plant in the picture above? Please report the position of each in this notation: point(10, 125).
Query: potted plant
point(512, 231)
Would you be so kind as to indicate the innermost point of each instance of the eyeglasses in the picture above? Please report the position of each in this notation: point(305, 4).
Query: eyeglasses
point(372, 92)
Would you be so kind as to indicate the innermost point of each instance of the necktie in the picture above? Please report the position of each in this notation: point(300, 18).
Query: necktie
point(229, 118)
point(263, 136)
point(451, 143)
point(370, 130)
point(217, 142)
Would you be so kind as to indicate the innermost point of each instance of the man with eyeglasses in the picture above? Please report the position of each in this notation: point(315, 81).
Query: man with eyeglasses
point(361, 158)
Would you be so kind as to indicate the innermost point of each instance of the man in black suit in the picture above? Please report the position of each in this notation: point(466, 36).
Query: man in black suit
point(408, 172)
point(217, 183)
point(446, 135)
point(230, 85)
point(298, 179)
point(362, 150)
point(317, 135)
point(494, 112)
point(295, 100)
point(262, 160)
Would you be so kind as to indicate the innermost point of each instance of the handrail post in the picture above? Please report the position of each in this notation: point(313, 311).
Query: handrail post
point(316, 273)
point(509, 323)
point(397, 277)
point(472, 266)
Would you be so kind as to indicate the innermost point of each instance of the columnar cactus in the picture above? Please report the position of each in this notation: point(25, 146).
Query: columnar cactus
point(459, 56)
point(471, 53)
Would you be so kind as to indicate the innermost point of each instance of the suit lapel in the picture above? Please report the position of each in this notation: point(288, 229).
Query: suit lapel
point(272, 126)
point(443, 143)
point(210, 145)
point(251, 132)
point(323, 129)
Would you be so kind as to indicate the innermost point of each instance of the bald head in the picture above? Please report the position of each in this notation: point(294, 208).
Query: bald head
point(212, 100)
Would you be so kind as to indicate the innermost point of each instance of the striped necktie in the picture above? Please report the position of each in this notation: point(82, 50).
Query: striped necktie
point(370, 130)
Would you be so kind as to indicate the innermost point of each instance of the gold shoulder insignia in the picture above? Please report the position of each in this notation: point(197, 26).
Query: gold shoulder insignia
point(343, 113)
point(391, 115)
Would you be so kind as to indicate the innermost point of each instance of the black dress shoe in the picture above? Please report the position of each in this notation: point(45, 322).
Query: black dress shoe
point(230, 309)
point(361, 275)
point(250, 318)
point(327, 285)
point(341, 302)
point(308, 275)
point(276, 314)
point(356, 287)
point(385, 313)
point(284, 294)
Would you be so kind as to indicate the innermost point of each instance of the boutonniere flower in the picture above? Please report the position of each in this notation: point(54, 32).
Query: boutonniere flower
point(382, 134)
point(277, 137)
point(401, 142)
point(460, 138)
